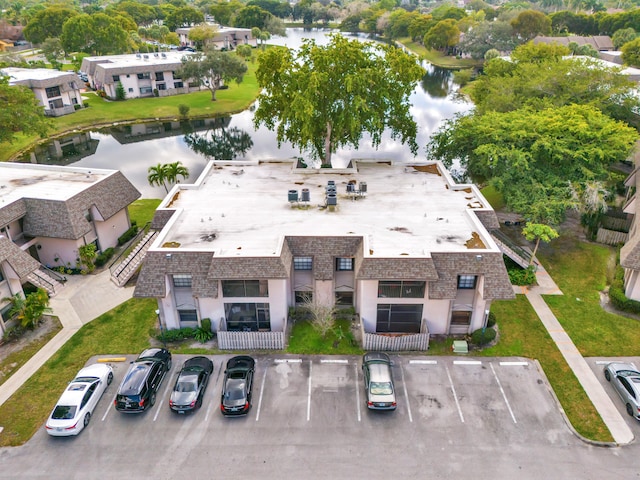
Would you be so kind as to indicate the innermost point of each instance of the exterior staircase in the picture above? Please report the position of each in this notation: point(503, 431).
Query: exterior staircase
point(45, 278)
point(122, 271)
point(518, 254)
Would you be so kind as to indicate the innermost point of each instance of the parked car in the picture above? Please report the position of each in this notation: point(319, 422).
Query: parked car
point(186, 49)
point(190, 385)
point(73, 410)
point(236, 388)
point(378, 381)
point(140, 385)
point(625, 379)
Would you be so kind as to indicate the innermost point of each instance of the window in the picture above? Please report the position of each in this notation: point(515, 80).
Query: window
point(116, 78)
point(131, 90)
point(177, 85)
point(188, 316)
point(467, 281)
point(182, 281)
point(398, 318)
point(143, 76)
point(245, 288)
point(302, 296)
point(74, 101)
point(161, 86)
point(401, 289)
point(247, 317)
point(303, 263)
point(344, 264)
point(160, 76)
point(344, 298)
point(52, 92)
point(460, 318)
point(145, 90)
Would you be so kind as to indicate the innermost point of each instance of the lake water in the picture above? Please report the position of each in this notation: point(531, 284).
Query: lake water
point(133, 149)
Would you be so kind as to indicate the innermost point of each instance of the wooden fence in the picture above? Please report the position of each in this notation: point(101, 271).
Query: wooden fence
point(611, 237)
point(396, 343)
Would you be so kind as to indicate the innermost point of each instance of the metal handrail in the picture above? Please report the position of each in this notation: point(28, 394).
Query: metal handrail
point(53, 274)
point(139, 247)
point(125, 247)
point(44, 280)
point(525, 255)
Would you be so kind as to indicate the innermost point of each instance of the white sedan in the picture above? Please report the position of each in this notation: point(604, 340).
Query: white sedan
point(73, 411)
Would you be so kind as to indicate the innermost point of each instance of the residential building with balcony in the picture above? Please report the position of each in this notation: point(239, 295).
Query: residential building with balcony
point(58, 92)
point(403, 245)
point(226, 38)
point(48, 212)
point(141, 74)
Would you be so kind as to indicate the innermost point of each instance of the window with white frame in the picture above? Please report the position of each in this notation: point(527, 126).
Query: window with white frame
point(303, 263)
point(467, 282)
point(182, 281)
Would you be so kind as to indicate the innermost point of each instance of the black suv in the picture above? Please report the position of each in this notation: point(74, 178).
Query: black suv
point(137, 391)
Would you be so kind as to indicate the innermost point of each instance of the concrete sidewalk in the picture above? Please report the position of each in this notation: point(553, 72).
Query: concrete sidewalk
point(83, 298)
point(616, 424)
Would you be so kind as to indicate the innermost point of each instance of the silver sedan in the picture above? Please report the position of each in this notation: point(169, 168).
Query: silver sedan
point(625, 378)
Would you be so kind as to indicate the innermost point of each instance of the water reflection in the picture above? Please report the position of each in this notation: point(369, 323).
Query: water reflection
point(132, 149)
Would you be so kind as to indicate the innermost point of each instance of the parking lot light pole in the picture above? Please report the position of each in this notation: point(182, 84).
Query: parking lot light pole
point(164, 340)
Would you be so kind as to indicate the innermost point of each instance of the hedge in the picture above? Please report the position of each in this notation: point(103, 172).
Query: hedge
point(618, 298)
point(104, 257)
point(128, 235)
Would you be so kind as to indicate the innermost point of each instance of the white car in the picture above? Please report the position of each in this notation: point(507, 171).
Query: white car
point(73, 411)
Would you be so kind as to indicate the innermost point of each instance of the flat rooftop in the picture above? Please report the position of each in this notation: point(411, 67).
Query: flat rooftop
point(138, 59)
point(244, 210)
point(20, 180)
point(17, 74)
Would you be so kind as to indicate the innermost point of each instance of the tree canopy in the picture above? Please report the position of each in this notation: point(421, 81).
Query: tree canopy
point(20, 112)
point(98, 34)
point(537, 159)
point(326, 97)
point(48, 23)
point(212, 68)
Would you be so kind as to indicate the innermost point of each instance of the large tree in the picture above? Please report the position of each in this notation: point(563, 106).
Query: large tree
point(99, 34)
point(530, 23)
point(183, 17)
point(211, 68)
point(20, 113)
point(48, 23)
point(537, 159)
point(326, 97)
point(631, 52)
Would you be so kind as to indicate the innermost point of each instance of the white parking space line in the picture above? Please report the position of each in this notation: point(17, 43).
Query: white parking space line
point(423, 362)
point(455, 395)
point(288, 360)
point(164, 396)
point(213, 388)
point(264, 377)
point(602, 362)
point(406, 394)
point(513, 364)
point(110, 406)
point(467, 362)
point(309, 393)
point(355, 367)
point(337, 360)
point(506, 400)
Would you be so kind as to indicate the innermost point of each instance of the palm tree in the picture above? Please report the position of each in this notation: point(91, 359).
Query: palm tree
point(157, 176)
point(174, 170)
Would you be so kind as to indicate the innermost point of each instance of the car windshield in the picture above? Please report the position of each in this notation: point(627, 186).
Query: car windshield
point(64, 412)
point(185, 387)
point(381, 388)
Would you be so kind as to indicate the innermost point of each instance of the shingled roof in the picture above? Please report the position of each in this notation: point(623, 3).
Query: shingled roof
point(21, 262)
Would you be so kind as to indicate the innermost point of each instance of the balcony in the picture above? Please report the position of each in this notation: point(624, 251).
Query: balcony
point(58, 112)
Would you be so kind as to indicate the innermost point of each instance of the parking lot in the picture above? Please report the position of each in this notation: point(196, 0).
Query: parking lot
point(315, 404)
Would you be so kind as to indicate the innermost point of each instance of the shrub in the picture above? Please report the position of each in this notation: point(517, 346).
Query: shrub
point(522, 276)
point(13, 333)
point(177, 335)
point(491, 320)
point(128, 235)
point(184, 109)
point(203, 335)
point(104, 257)
point(483, 336)
point(618, 298)
point(205, 324)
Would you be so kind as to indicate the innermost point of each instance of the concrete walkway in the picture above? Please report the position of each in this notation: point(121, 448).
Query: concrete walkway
point(617, 425)
point(83, 298)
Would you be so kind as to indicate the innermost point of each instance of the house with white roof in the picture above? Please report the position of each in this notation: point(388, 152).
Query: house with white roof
point(48, 212)
point(403, 245)
point(141, 74)
point(58, 92)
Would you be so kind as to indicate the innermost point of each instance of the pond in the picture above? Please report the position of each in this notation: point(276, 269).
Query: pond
point(133, 149)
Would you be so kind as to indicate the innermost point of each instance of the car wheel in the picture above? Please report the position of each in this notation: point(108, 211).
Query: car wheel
point(169, 365)
point(110, 378)
point(607, 375)
point(87, 419)
point(629, 409)
point(152, 399)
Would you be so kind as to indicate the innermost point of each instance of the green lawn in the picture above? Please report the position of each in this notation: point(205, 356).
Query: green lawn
point(101, 112)
point(437, 58)
point(142, 210)
point(123, 330)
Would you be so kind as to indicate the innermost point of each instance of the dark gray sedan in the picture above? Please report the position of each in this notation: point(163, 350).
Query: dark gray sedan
point(237, 386)
point(190, 385)
point(625, 378)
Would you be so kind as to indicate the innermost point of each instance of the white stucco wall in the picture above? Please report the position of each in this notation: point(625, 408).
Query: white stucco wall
point(632, 285)
point(108, 231)
point(65, 251)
